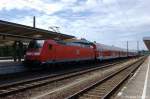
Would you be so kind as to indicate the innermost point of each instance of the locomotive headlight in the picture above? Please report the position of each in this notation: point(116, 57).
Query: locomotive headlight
point(28, 53)
point(36, 53)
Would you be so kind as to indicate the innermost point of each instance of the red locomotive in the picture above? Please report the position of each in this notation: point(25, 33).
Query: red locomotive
point(53, 51)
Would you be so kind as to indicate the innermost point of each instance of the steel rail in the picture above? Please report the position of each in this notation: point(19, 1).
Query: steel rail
point(100, 94)
point(12, 88)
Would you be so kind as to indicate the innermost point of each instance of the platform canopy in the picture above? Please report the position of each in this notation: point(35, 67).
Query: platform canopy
point(12, 31)
point(147, 42)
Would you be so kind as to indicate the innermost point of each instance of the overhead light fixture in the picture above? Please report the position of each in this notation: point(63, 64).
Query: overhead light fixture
point(37, 36)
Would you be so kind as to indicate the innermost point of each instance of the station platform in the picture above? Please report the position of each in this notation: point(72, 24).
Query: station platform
point(5, 58)
point(4, 61)
point(138, 86)
point(8, 66)
point(8, 62)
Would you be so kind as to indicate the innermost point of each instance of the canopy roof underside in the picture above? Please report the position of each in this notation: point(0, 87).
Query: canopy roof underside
point(12, 31)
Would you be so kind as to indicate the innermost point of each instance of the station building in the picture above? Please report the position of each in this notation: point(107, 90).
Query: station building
point(147, 42)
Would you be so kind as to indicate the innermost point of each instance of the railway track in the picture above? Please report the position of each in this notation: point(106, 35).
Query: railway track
point(19, 86)
point(105, 87)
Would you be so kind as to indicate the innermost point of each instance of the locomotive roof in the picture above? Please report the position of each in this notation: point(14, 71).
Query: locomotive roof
point(74, 40)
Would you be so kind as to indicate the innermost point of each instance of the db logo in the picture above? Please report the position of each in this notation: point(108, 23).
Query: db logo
point(77, 52)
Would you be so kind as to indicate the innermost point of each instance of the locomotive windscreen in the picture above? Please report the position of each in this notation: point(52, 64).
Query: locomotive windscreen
point(36, 44)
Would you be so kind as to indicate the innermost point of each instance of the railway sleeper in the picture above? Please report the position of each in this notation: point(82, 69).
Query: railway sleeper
point(102, 88)
point(91, 96)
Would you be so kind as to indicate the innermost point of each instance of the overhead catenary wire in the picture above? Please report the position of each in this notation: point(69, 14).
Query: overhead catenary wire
point(124, 15)
point(127, 20)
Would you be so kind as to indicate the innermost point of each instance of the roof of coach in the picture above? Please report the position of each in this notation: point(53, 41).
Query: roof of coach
point(114, 48)
point(107, 47)
point(133, 51)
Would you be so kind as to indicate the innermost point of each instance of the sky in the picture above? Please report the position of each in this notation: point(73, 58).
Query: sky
point(110, 22)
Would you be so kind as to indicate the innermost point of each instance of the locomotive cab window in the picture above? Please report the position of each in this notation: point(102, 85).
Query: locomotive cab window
point(36, 44)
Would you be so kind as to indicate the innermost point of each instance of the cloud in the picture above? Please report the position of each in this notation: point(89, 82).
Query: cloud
point(104, 21)
point(38, 5)
point(69, 1)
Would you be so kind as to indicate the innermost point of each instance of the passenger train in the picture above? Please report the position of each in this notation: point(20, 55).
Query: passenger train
point(56, 51)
